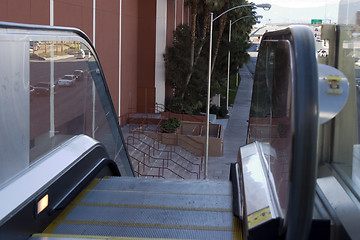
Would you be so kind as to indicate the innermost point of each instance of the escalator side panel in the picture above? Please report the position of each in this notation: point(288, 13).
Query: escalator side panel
point(24, 220)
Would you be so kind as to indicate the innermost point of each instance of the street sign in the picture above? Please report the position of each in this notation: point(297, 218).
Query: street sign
point(316, 21)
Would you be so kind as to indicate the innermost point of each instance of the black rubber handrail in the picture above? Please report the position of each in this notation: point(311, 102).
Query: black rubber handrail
point(305, 109)
point(85, 180)
point(238, 201)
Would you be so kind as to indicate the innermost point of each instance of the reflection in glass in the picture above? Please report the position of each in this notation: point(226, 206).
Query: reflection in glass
point(346, 158)
point(55, 113)
point(68, 98)
point(270, 113)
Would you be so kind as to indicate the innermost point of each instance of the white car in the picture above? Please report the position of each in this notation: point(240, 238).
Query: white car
point(80, 54)
point(67, 80)
point(322, 53)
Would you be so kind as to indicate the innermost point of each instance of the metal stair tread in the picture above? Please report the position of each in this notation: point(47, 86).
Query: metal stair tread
point(207, 187)
point(46, 236)
point(149, 208)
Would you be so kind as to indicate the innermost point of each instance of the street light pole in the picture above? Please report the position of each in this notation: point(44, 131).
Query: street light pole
point(265, 6)
point(228, 70)
point(208, 100)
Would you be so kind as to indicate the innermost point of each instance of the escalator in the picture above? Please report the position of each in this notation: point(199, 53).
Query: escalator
point(66, 173)
point(88, 199)
point(147, 208)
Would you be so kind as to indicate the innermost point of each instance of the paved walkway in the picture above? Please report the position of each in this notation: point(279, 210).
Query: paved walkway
point(236, 129)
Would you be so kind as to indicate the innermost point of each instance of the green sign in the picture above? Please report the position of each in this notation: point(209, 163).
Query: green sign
point(316, 21)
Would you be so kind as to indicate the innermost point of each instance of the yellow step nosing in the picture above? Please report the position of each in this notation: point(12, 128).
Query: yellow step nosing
point(48, 235)
point(70, 207)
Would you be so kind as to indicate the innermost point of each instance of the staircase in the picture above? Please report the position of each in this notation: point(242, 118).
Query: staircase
point(150, 158)
point(144, 208)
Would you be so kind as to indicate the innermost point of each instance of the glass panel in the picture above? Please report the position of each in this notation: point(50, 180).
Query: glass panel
point(68, 97)
point(346, 156)
point(14, 110)
point(61, 92)
point(344, 54)
point(270, 114)
point(51, 91)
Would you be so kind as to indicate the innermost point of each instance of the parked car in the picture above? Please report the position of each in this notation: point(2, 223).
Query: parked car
point(87, 53)
point(34, 45)
point(80, 54)
point(79, 74)
point(357, 82)
point(322, 53)
point(43, 88)
point(357, 63)
point(67, 80)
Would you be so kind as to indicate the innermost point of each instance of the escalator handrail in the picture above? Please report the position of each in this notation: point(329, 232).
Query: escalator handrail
point(23, 187)
point(305, 129)
point(238, 201)
point(85, 181)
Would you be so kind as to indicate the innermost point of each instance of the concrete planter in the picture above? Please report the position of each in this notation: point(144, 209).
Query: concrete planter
point(191, 137)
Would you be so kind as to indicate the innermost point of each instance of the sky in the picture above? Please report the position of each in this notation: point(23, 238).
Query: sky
point(299, 11)
point(298, 3)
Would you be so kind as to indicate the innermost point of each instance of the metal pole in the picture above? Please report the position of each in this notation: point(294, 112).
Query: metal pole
point(267, 6)
point(237, 76)
point(208, 101)
point(228, 71)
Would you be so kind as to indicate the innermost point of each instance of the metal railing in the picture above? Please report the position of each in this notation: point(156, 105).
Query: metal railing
point(160, 170)
point(159, 136)
point(170, 155)
point(169, 112)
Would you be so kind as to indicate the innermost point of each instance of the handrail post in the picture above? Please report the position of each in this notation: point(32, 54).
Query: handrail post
point(138, 171)
point(144, 163)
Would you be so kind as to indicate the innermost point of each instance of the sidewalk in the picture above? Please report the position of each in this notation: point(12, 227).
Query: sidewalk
point(236, 129)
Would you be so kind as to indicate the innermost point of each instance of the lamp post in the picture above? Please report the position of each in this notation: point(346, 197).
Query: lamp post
point(265, 6)
point(228, 70)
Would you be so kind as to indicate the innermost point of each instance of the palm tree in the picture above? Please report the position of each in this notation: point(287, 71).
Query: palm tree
point(198, 36)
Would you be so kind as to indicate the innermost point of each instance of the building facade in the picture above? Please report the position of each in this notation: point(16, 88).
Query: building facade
point(130, 37)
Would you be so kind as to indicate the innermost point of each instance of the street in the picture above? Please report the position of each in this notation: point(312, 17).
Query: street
point(251, 64)
point(72, 104)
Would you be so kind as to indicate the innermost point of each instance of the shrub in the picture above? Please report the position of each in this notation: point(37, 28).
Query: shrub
point(214, 109)
point(170, 125)
point(219, 111)
point(222, 112)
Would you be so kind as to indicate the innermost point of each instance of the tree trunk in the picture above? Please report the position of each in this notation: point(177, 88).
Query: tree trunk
point(194, 10)
point(206, 22)
point(195, 57)
point(217, 46)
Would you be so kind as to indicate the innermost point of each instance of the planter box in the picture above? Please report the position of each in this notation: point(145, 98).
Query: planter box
point(191, 137)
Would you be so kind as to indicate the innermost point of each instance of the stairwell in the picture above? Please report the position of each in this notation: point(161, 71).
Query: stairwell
point(150, 158)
